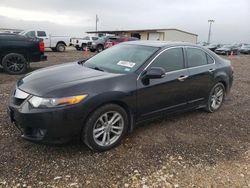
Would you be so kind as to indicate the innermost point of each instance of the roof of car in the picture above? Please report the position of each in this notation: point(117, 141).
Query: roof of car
point(159, 44)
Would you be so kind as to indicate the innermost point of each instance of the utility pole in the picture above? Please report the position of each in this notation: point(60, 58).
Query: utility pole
point(209, 32)
point(96, 21)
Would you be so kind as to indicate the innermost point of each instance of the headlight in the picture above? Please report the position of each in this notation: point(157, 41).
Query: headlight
point(93, 43)
point(55, 102)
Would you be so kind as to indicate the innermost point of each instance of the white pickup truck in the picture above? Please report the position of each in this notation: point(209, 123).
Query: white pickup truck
point(56, 43)
point(82, 43)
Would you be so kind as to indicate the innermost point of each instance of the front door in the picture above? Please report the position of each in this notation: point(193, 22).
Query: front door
point(167, 93)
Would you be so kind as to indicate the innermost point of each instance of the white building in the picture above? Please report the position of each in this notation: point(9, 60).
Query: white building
point(155, 34)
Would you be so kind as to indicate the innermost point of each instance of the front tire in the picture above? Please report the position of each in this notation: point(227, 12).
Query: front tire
point(99, 48)
point(105, 127)
point(216, 98)
point(14, 63)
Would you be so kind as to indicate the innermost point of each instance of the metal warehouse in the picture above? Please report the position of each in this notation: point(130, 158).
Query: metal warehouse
point(155, 34)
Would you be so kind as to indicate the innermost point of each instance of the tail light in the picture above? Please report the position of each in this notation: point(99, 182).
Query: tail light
point(41, 46)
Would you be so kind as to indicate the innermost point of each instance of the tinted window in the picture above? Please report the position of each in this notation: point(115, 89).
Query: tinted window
point(170, 60)
point(31, 34)
point(94, 38)
point(210, 60)
point(86, 38)
point(196, 57)
point(41, 34)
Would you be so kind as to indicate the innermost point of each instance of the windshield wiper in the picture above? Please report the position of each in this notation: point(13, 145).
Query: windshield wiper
point(81, 61)
point(97, 68)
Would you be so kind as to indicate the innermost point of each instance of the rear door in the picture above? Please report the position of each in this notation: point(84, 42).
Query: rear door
point(201, 68)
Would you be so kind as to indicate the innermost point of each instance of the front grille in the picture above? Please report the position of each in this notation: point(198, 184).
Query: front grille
point(89, 44)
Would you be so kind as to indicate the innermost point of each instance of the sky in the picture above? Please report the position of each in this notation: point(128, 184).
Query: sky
point(75, 17)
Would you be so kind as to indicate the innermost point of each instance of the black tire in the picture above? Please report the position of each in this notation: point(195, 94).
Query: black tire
point(78, 48)
point(83, 46)
point(92, 50)
point(14, 63)
point(216, 87)
point(60, 47)
point(87, 134)
point(99, 48)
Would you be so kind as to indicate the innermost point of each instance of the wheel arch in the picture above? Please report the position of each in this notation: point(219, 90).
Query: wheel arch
point(223, 78)
point(61, 42)
point(97, 102)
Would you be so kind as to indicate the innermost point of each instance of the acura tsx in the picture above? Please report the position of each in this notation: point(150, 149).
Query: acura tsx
point(101, 99)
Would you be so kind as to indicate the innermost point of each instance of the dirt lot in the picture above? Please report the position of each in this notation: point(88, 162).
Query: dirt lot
point(195, 149)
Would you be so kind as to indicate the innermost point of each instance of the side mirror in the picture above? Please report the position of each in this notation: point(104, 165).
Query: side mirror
point(155, 73)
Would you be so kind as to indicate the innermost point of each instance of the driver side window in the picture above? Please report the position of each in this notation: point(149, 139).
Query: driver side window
point(170, 60)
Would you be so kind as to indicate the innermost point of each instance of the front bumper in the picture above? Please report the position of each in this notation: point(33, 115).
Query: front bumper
point(57, 125)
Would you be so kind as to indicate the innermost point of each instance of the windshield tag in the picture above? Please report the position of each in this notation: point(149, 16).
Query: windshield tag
point(126, 64)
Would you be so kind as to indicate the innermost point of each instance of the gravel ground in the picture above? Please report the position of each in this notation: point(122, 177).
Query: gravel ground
point(194, 149)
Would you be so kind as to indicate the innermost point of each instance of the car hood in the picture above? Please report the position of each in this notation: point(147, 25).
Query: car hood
point(45, 82)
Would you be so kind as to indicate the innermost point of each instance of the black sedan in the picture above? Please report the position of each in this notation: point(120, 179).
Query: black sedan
point(102, 99)
point(227, 50)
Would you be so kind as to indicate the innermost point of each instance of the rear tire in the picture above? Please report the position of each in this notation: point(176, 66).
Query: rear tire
point(105, 127)
point(60, 47)
point(216, 98)
point(99, 48)
point(14, 63)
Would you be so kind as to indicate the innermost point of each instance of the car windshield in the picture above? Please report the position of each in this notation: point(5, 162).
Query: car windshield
point(121, 58)
point(246, 46)
point(227, 46)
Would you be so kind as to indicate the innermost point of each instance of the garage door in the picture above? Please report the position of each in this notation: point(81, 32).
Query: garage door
point(153, 36)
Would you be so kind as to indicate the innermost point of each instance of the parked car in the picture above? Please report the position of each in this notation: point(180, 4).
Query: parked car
point(17, 52)
point(227, 50)
point(245, 49)
point(114, 90)
point(56, 43)
point(213, 47)
point(99, 44)
point(81, 44)
point(116, 40)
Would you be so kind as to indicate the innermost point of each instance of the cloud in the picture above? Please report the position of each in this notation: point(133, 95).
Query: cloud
point(39, 16)
point(73, 17)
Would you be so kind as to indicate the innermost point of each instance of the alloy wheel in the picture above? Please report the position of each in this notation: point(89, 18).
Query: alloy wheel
point(108, 128)
point(15, 64)
point(217, 97)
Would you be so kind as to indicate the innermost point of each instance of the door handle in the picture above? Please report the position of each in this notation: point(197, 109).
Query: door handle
point(211, 70)
point(182, 78)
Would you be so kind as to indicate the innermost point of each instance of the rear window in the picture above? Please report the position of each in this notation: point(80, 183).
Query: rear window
point(196, 57)
point(41, 34)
